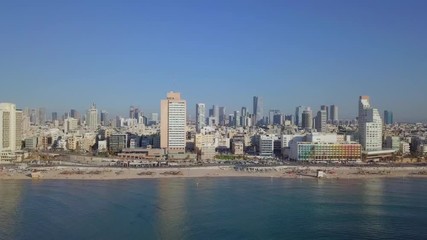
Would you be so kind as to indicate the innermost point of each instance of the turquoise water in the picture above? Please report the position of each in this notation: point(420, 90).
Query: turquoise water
point(214, 208)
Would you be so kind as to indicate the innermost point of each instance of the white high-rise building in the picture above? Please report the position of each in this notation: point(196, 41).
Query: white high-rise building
point(200, 116)
point(370, 126)
point(10, 130)
point(92, 117)
point(173, 123)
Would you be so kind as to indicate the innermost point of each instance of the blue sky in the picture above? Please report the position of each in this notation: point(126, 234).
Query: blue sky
point(68, 54)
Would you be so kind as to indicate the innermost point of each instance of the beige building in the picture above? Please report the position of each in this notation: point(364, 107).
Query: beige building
point(10, 131)
point(173, 121)
point(70, 124)
point(237, 148)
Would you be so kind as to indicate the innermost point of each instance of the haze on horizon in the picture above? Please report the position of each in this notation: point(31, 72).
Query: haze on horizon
point(61, 55)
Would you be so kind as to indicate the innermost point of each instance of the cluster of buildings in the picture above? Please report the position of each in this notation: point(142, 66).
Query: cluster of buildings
point(303, 136)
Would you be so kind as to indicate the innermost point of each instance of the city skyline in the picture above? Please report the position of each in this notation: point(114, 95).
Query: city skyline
point(192, 112)
point(67, 55)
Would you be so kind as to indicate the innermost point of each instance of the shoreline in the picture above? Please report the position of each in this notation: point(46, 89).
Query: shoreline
point(285, 172)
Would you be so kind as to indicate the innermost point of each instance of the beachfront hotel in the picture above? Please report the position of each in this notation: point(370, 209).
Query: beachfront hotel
point(324, 147)
point(10, 131)
point(307, 151)
point(173, 120)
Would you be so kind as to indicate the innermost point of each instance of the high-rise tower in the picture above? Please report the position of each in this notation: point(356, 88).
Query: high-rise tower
point(10, 130)
point(200, 116)
point(173, 122)
point(258, 110)
point(93, 117)
point(370, 126)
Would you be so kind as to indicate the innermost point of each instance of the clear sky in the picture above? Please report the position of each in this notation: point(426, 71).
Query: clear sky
point(67, 54)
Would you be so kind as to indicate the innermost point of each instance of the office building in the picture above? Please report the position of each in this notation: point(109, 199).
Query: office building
point(117, 142)
point(92, 118)
point(298, 115)
point(271, 115)
point(54, 116)
point(236, 119)
point(334, 114)
point(388, 117)
point(243, 117)
point(321, 121)
point(307, 119)
point(154, 118)
point(173, 122)
point(215, 111)
point(104, 118)
point(325, 108)
point(370, 126)
point(222, 116)
point(200, 116)
point(258, 110)
point(278, 119)
point(289, 118)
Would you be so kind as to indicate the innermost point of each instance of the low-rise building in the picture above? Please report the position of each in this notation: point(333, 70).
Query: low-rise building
point(266, 145)
point(237, 148)
point(404, 148)
point(392, 142)
point(309, 151)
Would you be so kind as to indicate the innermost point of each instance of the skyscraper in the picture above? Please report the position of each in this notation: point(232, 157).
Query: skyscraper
point(173, 122)
point(258, 110)
point(334, 114)
point(243, 117)
point(222, 116)
point(321, 121)
point(370, 126)
point(155, 118)
point(200, 116)
point(326, 108)
point(215, 110)
point(41, 116)
point(131, 112)
point(307, 119)
point(236, 119)
point(271, 114)
point(298, 115)
point(92, 117)
point(10, 130)
point(388, 117)
point(278, 119)
point(54, 116)
point(104, 118)
point(73, 113)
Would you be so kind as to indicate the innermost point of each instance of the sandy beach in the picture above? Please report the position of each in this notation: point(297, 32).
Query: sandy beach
point(105, 173)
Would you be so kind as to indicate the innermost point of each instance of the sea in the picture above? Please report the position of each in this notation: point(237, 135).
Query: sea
point(214, 208)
